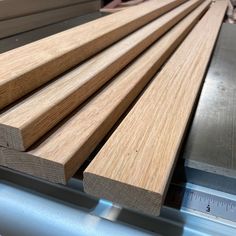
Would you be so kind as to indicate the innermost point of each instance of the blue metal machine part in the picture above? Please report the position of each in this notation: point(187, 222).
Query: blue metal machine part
point(34, 207)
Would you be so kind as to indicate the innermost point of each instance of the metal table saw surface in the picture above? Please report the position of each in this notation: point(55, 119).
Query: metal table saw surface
point(29, 206)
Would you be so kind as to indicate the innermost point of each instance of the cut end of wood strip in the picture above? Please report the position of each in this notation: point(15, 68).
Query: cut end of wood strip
point(124, 194)
point(32, 165)
point(11, 137)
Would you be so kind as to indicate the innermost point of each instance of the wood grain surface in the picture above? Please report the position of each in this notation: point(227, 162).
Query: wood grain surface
point(22, 125)
point(26, 68)
point(134, 166)
point(64, 149)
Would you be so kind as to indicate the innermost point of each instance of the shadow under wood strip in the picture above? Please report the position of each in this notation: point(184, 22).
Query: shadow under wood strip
point(63, 151)
point(27, 121)
point(141, 153)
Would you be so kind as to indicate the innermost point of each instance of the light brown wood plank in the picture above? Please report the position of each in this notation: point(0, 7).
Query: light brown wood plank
point(22, 125)
point(61, 153)
point(134, 166)
point(25, 23)
point(26, 68)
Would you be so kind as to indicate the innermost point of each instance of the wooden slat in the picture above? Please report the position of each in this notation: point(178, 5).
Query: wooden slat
point(24, 23)
point(59, 155)
point(26, 68)
point(134, 166)
point(22, 125)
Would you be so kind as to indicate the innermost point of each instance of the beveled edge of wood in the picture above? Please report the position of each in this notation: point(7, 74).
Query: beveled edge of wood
point(11, 137)
point(32, 165)
point(124, 194)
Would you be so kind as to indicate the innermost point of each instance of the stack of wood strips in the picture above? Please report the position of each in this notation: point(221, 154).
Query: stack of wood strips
point(51, 122)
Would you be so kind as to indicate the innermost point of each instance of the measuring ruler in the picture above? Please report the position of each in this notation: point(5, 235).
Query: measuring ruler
point(204, 200)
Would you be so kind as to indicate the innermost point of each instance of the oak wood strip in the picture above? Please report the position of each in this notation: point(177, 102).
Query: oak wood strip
point(25, 23)
point(22, 125)
point(134, 166)
point(60, 154)
point(26, 68)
